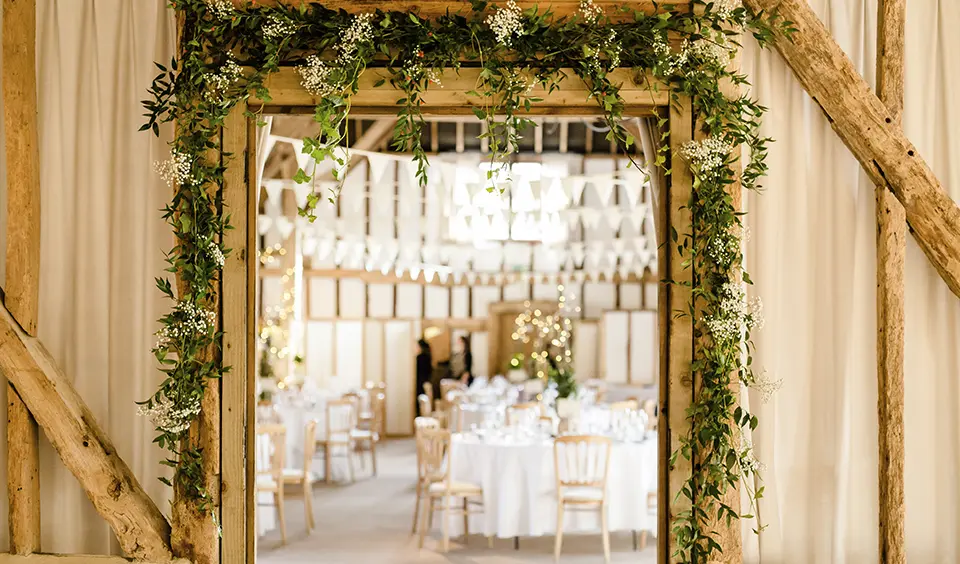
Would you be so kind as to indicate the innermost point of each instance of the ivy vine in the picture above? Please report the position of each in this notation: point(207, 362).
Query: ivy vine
point(226, 53)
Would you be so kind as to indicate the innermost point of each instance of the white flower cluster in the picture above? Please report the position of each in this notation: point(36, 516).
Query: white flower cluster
point(278, 27)
point(612, 50)
point(315, 77)
point(707, 51)
point(222, 9)
point(589, 11)
point(706, 157)
point(506, 23)
point(192, 321)
point(220, 82)
point(764, 385)
point(748, 460)
point(733, 315)
point(660, 47)
point(359, 32)
point(168, 417)
point(723, 248)
point(175, 170)
point(725, 8)
point(213, 252)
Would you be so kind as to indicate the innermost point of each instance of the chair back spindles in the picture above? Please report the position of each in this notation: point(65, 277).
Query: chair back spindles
point(309, 446)
point(426, 408)
point(523, 412)
point(433, 445)
point(271, 448)
point(341, 416)
point(582, 461)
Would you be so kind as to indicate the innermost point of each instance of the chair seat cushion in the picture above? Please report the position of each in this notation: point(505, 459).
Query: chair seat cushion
point(292, 474)
point(336, 438)
point(266, 483)
point(456, 488)
point(364, 434)
point(582, 494)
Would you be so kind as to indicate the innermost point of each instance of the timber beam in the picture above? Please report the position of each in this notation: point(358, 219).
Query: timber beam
point(871, 132)
point(84, 447)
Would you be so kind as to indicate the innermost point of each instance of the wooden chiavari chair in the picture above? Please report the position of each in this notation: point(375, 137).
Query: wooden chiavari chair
point(447, 385)
point(650, 408)
point(426, 408)
point(304, 477)
point(581, 464)
point(369, 437)
point(434, 448)
point(626, 405)
point(271, 445)
point(340, 421)
point(517, 412)
point(423, 481)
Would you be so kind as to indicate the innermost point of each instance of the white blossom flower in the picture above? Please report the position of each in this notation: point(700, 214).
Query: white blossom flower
point(176, 170)
point(315, 77)
point(660, 47)
point(359, 32)
point(707, 51)
point(589, 11)
point(278, 27)
point(706, 157)
point(168, 417)
point(748, 459)
point(506, 23)
point(763, 384)
point(222, 9)
point(220, 82)
point(189, 320)
point(733, 316)
point(725, 8)
point(213, 252)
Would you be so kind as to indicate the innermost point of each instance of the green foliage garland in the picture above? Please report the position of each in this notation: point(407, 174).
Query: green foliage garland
point(227, 52)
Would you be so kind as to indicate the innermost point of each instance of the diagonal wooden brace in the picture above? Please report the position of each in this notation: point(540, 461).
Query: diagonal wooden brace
point(871, 132)
point(85, 449)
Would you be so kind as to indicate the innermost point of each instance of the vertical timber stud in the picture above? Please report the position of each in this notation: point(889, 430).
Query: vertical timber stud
point(234, 306)
point(22, 286)
point(679, 334)
point(891, 255)
point(253, 206)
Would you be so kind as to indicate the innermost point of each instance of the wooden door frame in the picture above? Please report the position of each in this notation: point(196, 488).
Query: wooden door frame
point(240, 197)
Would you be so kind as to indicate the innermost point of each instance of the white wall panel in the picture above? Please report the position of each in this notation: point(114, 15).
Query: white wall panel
point(381, 301)
point(644, 347)
point(319, 353)
point(516, 292)
point(651, 289)
point(479, 348)
point(382, 204)
point(459, 296)
point(409, 301)
point(349, 372)
point(547, 292)
point(631, 296)
point(438, 303)
point(400, 356)
point(616, 334)
point(585, 345)
point(373, 364)
point(597, 297)
point(353, 298)
point(322, 295)
point(271, 292)
point(483, 296)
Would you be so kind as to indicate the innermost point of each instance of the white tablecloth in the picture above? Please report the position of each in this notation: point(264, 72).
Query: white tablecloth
point(519, 488)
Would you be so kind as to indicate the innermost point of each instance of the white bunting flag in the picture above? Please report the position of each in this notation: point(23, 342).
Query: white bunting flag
point(608, 274)
point(638, 215)
point(378, 166)
point(604, 188)
point(274, 188)
point(640, 244)
point(303, 160)
point(301, 191)
point(471, 278)
point(577, 184)
point(414, 273)
point(284, 227)
point(264, 223)
point(618, 245)
point(579, 276)
point(428, 274)
point(578, 253)
point(442, 276)
point(498, 279)
point(310, 246)
point(613, 217)
point(627, 256)
point(457, 278)
point(612, 257)
point(571, 216)
point(536, 191)
point(590, 217)
point(624, 272)
point(324, 249)
point(632, 189)
point(522, 200)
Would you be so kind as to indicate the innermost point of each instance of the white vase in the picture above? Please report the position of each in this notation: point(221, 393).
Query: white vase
point(517, 375)
point(568, 408)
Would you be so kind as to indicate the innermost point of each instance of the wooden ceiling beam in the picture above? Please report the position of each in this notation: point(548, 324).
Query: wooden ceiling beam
point(871, 133)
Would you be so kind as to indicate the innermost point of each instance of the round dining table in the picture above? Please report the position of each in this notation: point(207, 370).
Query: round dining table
point(520, 492)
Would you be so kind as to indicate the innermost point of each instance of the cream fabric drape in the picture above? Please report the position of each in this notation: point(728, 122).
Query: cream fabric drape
point(812, 253)
point(102, 238)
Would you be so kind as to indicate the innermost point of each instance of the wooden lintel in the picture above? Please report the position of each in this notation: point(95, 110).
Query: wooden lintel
point(40, 558)
point(435, 8)
point(871, 132)
point(377, 277)
point(891, 258)
point(22, 285)
point(84, 448)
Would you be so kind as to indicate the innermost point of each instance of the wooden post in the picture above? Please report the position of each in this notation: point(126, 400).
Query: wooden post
point(83, 447)
point(22, 286)
point(678, 385)
point(869, 130)
point(891, 256)
point(234, 307)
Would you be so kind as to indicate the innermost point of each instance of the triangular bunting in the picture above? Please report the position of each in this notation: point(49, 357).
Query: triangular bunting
point(590, 217)
point(264, 223)
point(284, 227)
point(604, 188)
point(613, 217)
point(378, 166)
point(274, 188)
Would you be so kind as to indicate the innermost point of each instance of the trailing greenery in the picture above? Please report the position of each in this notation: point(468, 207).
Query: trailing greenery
point(565, 380)
point(226, 53)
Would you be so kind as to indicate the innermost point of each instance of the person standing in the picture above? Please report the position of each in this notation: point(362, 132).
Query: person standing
point(424, 368)
point(461, 363)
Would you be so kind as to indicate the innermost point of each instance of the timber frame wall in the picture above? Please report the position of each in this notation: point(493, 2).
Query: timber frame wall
point(40, 395)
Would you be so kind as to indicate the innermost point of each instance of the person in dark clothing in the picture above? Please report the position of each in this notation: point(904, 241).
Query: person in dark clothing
point(461, 364)
point(424, 368)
